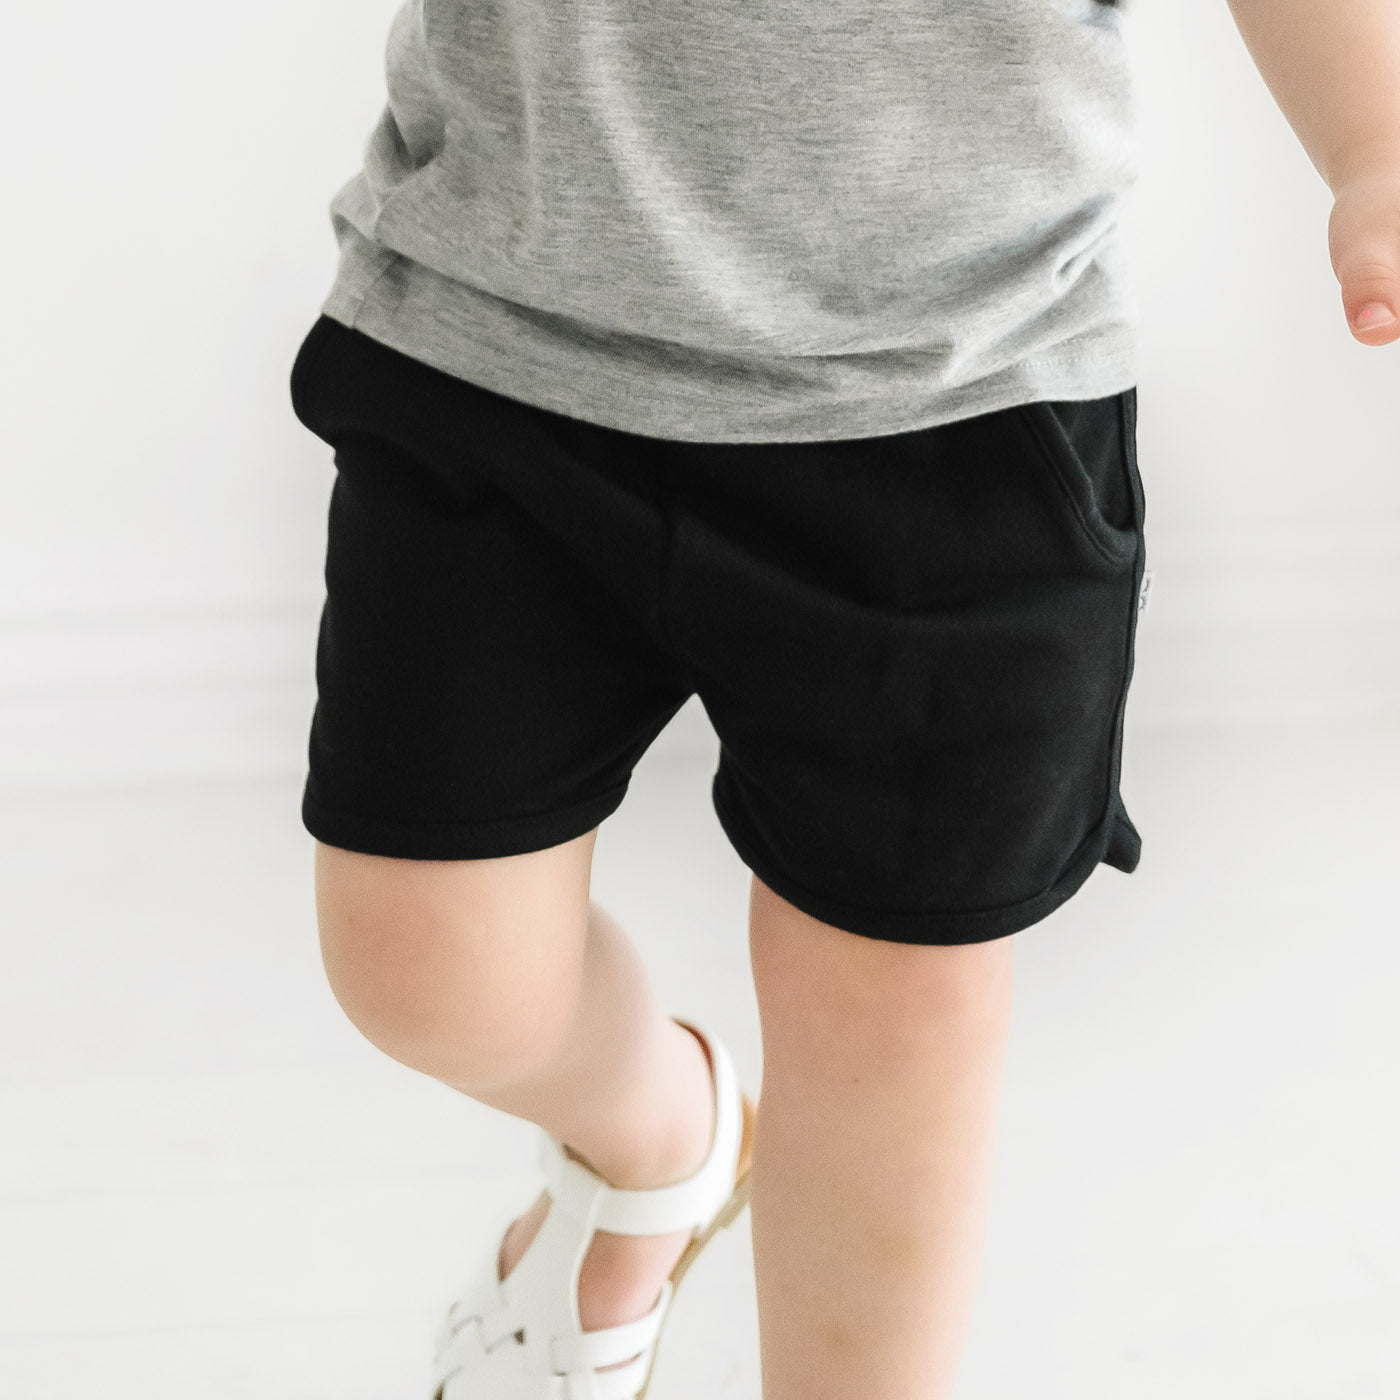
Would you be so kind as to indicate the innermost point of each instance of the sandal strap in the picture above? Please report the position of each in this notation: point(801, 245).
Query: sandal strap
point(621, 1384)
point(466, 1344)
point(586, 1351)
point(477, 1351)
point(584, 1195)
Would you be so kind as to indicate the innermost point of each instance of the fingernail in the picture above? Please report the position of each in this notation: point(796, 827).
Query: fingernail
point(1376, 314)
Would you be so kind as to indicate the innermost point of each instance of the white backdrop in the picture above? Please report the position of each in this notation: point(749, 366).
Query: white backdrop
point(162, 516)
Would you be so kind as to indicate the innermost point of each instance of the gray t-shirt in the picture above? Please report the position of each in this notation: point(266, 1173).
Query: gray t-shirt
point(751, 220)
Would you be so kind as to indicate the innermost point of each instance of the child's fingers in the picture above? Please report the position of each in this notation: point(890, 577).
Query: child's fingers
point(1364, 242)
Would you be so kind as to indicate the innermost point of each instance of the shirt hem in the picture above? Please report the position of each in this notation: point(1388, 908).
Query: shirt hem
point(604, 381)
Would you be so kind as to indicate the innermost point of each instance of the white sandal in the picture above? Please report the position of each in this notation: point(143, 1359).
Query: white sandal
point(520, 1339)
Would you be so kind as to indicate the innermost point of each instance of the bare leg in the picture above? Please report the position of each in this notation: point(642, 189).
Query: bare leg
point(502, 979)
point(655, 1067)
point(881, 1075)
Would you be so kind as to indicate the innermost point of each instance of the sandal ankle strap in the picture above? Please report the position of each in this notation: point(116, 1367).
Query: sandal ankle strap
point(584, 1195)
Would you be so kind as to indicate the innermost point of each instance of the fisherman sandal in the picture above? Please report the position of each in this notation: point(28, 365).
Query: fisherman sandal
point(519, 1338)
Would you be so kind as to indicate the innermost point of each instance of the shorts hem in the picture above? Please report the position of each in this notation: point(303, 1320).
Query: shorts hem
point(462, 840)
point(943, 928)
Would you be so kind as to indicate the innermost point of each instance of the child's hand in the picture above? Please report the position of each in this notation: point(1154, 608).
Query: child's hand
point(1363, 236)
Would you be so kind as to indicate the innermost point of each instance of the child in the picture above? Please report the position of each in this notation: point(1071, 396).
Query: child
point(780, 353)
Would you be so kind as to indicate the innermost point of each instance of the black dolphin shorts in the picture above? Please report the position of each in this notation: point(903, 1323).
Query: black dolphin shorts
point(915, 649)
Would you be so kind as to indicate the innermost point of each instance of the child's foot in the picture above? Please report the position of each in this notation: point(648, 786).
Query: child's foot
point(622, 1275)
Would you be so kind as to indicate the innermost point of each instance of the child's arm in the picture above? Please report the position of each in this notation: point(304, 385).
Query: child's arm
point(1333, 67)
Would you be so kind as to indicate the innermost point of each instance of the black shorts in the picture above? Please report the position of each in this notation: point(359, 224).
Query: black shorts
point(915, 649)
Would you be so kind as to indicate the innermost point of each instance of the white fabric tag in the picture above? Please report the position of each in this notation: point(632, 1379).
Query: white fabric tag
point(1145, 592)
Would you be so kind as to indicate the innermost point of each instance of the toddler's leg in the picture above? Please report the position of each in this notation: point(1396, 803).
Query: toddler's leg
point(501, 978)
point(881, 1074)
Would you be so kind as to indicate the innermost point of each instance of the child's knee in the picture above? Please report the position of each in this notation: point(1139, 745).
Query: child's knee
point(468, 968)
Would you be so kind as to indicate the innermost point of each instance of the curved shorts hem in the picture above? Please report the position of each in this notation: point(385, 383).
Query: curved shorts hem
point(1114, 842)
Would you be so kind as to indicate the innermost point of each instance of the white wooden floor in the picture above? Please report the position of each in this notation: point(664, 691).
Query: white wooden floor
point(211, 1186)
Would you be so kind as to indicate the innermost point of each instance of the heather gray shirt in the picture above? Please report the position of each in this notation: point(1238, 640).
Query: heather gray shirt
point(750, 220)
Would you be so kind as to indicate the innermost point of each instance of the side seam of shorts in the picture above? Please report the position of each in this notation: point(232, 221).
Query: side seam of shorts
point(1124, 849)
